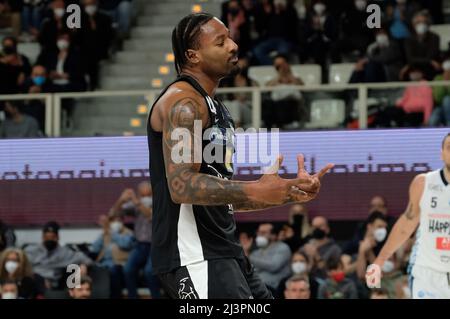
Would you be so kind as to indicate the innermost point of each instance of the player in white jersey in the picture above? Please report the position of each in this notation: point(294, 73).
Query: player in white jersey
point(428, 211)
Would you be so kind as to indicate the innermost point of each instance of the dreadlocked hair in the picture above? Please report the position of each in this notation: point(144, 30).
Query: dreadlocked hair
point(185, 36)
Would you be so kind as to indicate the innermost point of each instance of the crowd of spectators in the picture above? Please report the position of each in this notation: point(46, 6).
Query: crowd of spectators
point(69, 58)
point(298, 259)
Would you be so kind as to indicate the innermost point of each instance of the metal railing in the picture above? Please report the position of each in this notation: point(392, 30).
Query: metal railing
point(53, 101)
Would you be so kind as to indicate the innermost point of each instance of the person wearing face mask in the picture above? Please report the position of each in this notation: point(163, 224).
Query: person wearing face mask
point(15, 267)
point(140, 207)
point(319, 32)
point(320, 246)
point(50, 260)
point(112, 248)
point(9, 290)
point(36, 83)
point(355, 35)
point(423, 47)
point(300, 266)
point(372, 242)
point(271, 258)
point(441, 95)
point(53, 25)
point(17, 124)
point(337, 286)
point(95, 38)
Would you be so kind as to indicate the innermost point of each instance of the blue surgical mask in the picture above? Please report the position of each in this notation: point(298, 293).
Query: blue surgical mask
point(39, 80)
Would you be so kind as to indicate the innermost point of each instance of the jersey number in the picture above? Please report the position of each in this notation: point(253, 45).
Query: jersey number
point(433, 202)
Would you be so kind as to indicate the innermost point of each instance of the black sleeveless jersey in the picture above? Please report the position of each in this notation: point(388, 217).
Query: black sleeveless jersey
point(184, 234)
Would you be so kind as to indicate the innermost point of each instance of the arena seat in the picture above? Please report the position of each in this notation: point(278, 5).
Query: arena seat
point(311, 74)
point(326, 113)
point(340, 73)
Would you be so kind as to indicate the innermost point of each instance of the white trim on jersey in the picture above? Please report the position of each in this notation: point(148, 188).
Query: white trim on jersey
point(189, 244)
point(199, 276)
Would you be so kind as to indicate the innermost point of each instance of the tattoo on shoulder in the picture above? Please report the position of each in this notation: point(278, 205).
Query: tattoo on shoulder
point(183, 113)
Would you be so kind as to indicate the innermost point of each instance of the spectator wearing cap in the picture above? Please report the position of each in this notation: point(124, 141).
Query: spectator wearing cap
point(50, 260)
point(84, 291)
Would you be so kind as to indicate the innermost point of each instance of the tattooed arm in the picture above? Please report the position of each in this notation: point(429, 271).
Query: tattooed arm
point(184, 116)
point(406, 224)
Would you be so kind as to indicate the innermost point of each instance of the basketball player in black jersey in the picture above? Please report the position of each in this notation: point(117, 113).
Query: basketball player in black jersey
point(195, 251)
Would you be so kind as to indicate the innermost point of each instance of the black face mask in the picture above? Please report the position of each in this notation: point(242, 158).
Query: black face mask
point(318, 234)
point(9, 50)
point(234, 12)
point(50, 244)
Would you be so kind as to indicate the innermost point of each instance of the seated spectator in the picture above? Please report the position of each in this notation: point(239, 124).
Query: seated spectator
point(17, 124)
point(383, 61)
point(37, 83)
point(96, 35)
point(84, 291)
point(321, 247)
point(319, 34)
point(416, 105)
point(247, 242)
point(53, 25)
point(235, 18)
point(295, 233)
point(337, 286)
point(300, 266)
point(285, 103)
point(10, 15)
point(297, 287)
point(140, 206)
point(375, 220)
point(112, 249)
point(399, 16)
point(14, 266)
point(423, 47)
point(120, 12)
point(379, 293)
point(371, 244)
point(441, 95)
point(272, 258)
point(14, 67)
point(280, 23)
point(7, 236)
point(50, 260)
point(240, 104)
point(355, 35)
point(9, 289)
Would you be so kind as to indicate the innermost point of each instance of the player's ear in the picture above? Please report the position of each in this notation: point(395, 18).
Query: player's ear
point(192, 56)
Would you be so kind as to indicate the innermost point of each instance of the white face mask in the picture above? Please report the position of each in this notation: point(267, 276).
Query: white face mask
point(298, 267)
point(59, 12)
point(9, 295)
point(11, 266)
point(388, 266)
point(319, 8)
point(382, 39)
point(147, 201)
point(360, 4)
point(90, 10)
point(62, 44)
point(380, 234)
point(421, 28)
point(115, 226)
point(261, 241)
point(446, 65)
